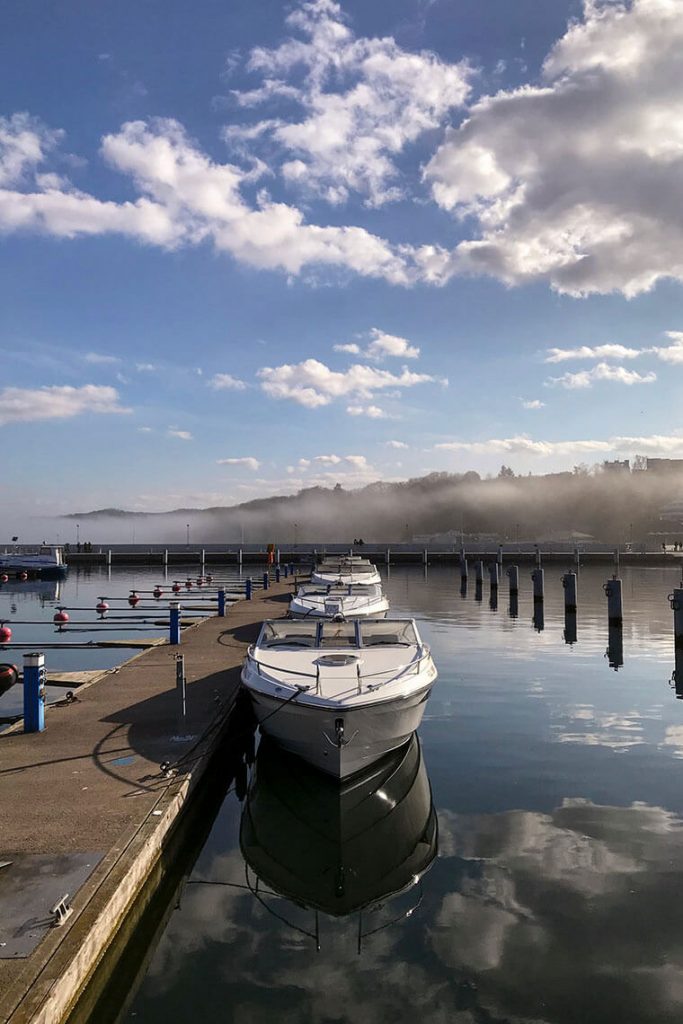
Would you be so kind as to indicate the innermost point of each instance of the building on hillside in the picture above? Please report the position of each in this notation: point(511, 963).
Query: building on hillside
point(617, 466)
point(668, 466)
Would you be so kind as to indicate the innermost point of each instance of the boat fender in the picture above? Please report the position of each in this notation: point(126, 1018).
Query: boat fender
point(9, 675)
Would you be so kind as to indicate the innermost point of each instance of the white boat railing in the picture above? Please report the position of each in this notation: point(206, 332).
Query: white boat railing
point(360, 676)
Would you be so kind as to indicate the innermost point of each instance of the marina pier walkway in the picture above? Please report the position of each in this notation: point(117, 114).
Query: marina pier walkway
point(89, 789)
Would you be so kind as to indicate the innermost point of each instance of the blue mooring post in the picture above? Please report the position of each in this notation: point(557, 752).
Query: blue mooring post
point(248, 585)
point(277, 573)
point(174, 623)
point(34, 692)
point(266, 581)
point(286, 569)
point(221, 602)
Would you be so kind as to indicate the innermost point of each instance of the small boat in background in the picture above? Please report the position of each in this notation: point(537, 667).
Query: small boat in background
point(349, 601)
point(35, 560)
point(345, 570)
point(339, 694)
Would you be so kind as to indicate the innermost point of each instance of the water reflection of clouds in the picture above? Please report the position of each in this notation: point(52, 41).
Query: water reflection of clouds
point(556, 915)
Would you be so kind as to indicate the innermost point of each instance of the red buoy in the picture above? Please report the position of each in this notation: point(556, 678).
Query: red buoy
point(5, 634)
point(101, 607)
point(133, 599)
point(157, 591)
point(200, 581)
point(23, 576)
point(176, 588)
point(9, 675)
point(189, 584)
point(208, 578)
point(60, 617)
point(4, 578)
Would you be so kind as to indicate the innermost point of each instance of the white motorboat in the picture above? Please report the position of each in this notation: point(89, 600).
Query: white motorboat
point(38, 560)
point(339, 848)
point(346, 570)
point(339, 694)
point(350, 601)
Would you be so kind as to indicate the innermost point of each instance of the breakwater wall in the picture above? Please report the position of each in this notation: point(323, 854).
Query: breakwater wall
point(381, 554)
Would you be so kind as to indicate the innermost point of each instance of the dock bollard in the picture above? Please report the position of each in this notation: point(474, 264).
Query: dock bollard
point(248, 586)
point(513, 576)
point(221, 602)
point(569, 584)
point(612, 590)
point(34, 692)
point(539, 584)
point(266, 581)
point(174, 623)
point(277, 573)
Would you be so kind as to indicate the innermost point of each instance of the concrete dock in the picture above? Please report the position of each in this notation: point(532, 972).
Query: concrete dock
point(91, 787)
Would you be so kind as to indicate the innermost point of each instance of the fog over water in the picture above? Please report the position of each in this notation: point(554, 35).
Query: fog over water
point(614, 507)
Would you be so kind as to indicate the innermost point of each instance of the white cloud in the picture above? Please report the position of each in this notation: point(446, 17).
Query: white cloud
point(397, 444)
point(58, 402)
point(351, 348)
point(145, 367)
point(187, 199)
point(373, 412)
point(182, 435)
point(577, 180)
point(24, 144)
point(560, 355)
point(313, 384)
point(532, 403)
point(144, 430)
point(226, 382)
point(654, 444)
point(390, 345)
point(363, 101)
point(248, 461)
point(600, 372)
point(98, 359)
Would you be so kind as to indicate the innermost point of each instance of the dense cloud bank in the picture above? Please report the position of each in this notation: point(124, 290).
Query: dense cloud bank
point(611, 507)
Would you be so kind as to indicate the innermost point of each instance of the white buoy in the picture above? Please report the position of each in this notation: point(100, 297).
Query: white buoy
point(479, 571)
point(513, 576)
point(569, 584)
point(539, 584)
point(612, 590)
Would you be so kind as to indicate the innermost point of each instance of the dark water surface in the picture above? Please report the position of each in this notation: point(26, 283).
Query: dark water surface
point(555, 895)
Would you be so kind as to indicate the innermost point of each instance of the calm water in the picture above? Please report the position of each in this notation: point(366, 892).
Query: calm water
point(34, 602)
point(557, 783)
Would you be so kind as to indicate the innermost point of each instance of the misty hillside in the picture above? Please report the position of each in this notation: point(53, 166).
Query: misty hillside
point(608, 506)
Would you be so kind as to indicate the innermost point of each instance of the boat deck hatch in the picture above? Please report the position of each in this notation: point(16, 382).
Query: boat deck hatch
point(337, 660)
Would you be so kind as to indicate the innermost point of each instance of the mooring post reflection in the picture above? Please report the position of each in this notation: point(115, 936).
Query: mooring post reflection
point(513, 607)
point(677, 674)
point(539, 616)
point(569, 626)
point(334, 848)
point(615, 646)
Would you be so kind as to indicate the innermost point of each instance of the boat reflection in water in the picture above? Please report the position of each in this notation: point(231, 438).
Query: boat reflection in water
point(32, 589)
point(339, 848)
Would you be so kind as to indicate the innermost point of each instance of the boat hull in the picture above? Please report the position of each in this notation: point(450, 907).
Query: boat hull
point(369, 731)
point(373, 612)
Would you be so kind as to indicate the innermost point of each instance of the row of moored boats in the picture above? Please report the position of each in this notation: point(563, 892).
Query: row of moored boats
point(340, 682)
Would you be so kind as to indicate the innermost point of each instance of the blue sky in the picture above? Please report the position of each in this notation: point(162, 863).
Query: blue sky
point(248, 247)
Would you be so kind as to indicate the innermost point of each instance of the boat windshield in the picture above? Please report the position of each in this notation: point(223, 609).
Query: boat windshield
point(388, 633)
point(326, 635)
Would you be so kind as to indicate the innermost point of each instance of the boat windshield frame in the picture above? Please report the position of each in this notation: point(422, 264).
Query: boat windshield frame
point(323, 634)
